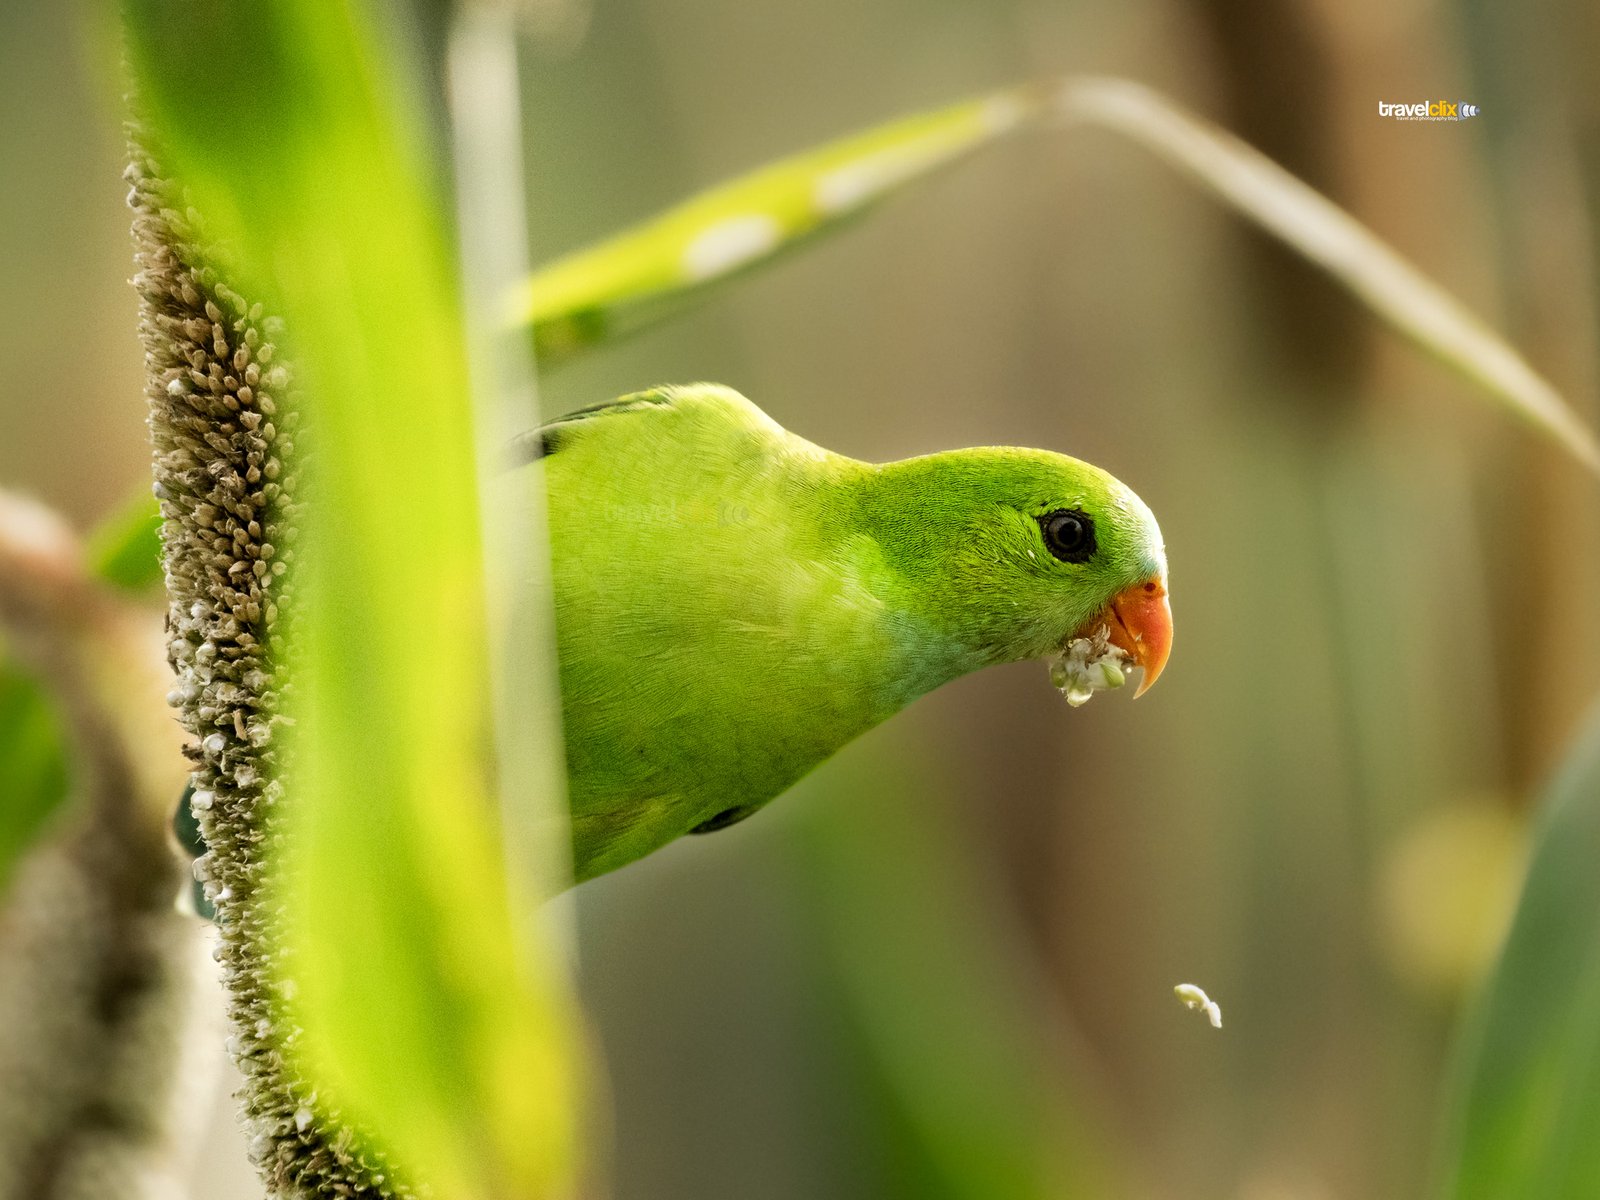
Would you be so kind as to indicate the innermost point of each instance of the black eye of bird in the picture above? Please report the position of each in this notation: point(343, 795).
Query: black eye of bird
point(1068, 534)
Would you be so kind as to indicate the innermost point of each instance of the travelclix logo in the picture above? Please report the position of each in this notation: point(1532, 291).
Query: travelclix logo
point(1429, 110)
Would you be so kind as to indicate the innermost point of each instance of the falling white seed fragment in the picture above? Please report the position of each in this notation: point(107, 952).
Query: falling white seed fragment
point(1193, 997)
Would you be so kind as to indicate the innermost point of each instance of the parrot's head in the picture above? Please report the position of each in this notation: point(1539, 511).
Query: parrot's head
point(1022, 554)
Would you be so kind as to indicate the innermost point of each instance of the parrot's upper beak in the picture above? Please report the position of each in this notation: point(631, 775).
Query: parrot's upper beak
point(1139, 620)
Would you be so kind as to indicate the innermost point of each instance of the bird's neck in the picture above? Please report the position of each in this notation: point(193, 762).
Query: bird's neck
point(939, 628)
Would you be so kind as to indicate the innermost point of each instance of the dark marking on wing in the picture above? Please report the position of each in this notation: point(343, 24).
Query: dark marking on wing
point(551, 436)
point(728, 816)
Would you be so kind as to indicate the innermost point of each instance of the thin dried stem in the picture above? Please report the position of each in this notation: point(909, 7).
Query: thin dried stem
point(1259, 189)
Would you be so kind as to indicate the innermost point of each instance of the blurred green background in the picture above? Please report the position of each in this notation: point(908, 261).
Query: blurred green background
point(943, 966)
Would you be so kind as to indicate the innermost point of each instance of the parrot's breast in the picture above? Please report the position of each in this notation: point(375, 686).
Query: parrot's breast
point(719, 632)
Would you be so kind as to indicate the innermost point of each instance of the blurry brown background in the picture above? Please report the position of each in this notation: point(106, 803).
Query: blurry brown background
point(1380, 587)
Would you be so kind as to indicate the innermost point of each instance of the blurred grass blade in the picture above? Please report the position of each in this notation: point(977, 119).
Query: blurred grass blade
point(33, 767)
point(649, 272)
point(946, 1015)
point(1524, 1106)
point(484, 96)
point(646, 273)
point(446, 1038)
point(1308, 222)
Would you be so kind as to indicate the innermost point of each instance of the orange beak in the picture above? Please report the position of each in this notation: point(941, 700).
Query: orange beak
point(1140, 623)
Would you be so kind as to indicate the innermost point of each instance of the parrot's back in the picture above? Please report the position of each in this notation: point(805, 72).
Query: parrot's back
point(720, 621)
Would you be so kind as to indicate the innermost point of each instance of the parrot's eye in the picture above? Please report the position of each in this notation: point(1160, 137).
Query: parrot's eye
point(1068, 534)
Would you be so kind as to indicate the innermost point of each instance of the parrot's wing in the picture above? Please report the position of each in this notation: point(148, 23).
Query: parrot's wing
point(547, 439)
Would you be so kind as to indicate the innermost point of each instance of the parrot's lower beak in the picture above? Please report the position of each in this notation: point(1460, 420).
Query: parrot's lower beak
point(1139, 621)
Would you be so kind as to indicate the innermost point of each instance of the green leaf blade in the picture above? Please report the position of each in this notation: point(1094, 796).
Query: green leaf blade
point(1525, 1097)
point(634, 278)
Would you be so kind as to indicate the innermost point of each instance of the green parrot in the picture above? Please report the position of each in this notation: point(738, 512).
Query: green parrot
point(734, 603)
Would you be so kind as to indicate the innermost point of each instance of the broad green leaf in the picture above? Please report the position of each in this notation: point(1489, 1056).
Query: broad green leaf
point(33, 769)
point(125, 548)
point(427, 1015)
point(1524, 1104)
point(650, 271)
